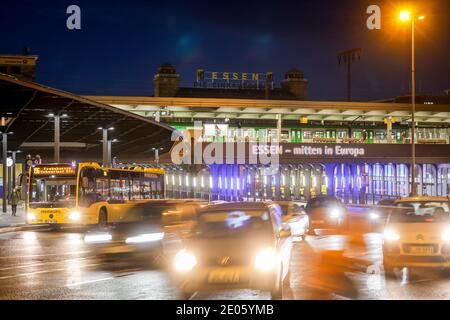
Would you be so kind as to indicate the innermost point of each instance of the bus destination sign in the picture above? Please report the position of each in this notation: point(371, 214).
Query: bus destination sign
point(54, 170)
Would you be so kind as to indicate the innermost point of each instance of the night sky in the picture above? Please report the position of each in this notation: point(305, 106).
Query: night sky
point(122, 43)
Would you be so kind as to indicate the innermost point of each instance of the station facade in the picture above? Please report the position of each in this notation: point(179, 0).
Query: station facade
point(359, 152)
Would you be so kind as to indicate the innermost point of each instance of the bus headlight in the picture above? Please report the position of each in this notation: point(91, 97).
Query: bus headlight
point(74, 215)
point(31, 216)
point(265, 259)
point(97, 238)
point(185, 261)
point(149, 237)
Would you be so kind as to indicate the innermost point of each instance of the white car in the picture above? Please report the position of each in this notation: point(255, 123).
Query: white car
point(417, 235)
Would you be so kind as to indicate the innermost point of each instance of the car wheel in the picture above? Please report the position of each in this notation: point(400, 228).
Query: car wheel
point(102, 218)
point(277, 292)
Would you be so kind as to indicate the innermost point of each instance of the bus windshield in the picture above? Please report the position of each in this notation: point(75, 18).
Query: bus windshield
point(52, 192)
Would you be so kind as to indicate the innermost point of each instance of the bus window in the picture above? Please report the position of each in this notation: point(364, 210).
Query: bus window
point(136, 193)
point(118, 186)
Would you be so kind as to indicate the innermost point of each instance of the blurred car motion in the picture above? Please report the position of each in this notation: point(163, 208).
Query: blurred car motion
point(418, 234)
point(326, 212)
point(236, 245)
point(151, 231)
point(294, 215)
point(378, 214)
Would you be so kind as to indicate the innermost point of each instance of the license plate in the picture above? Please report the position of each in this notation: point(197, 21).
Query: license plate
point(224, 276)
point(50, 221)
point(421, 250)
point(317, 222)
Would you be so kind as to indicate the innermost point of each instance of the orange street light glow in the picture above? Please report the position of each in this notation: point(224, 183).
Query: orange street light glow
point(421, 17)
point(405, 15)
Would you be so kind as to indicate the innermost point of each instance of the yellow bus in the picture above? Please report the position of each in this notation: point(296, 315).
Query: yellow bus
point(88, 194)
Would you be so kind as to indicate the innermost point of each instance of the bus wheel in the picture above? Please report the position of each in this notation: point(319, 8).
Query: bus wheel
point(102, 218)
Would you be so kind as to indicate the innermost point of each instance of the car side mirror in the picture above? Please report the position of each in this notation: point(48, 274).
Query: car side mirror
point(285, 232)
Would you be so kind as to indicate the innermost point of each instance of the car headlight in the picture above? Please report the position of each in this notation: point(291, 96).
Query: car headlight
point(149, 237)
point(265, 259)
point(335, 213)
point(185, 261)
point(31, 216)
point(97, 238)
point(446, 236)
point(391, 235)
point(373, 215)
point(74, 215)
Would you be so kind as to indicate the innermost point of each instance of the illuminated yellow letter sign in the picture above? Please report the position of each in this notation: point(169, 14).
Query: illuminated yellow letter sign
point(226, 76)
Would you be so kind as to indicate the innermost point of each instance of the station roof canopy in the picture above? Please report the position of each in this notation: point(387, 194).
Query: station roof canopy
point(213, 108)
point(26, 110)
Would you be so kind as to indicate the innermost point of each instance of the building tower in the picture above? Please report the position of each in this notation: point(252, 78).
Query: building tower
point(295, 83)
point(166, 82)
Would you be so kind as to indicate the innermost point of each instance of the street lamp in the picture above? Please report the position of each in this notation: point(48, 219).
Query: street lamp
point(404, 16)
point(105, 144)
point(157, 154)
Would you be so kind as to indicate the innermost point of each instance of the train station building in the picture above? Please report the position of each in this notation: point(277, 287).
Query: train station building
point(358, 151)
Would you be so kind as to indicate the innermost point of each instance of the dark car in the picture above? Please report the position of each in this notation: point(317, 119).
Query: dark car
point(151, 231)
point(236, 245)
point(326, 212)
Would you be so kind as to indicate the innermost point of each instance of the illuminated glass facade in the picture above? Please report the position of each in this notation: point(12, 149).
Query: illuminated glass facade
point(353, 183)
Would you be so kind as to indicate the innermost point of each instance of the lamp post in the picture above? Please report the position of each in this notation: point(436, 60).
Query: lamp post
point(105, 144)
point(157, 154)
point(57, 137)
point(408, 16)
point(5, 169)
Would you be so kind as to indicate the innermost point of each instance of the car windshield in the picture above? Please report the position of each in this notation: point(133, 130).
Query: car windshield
point(421, 212)
point(292, 208)
point(53, 192)
point(233, 224)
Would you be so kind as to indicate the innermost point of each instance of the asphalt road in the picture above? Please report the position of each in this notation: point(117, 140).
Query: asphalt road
point(57, 265)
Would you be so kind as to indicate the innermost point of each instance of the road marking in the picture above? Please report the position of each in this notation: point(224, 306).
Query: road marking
point(40, 264)
point(417, 281)
point(193, 295)
point(44, 255)
point(45, 271)
point(88, 282)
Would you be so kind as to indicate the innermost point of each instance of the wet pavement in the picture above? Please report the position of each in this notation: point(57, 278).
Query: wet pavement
point(58, 265)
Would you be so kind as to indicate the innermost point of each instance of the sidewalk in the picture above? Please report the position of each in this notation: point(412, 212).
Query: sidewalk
point(8, 223)
point(7, 219)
